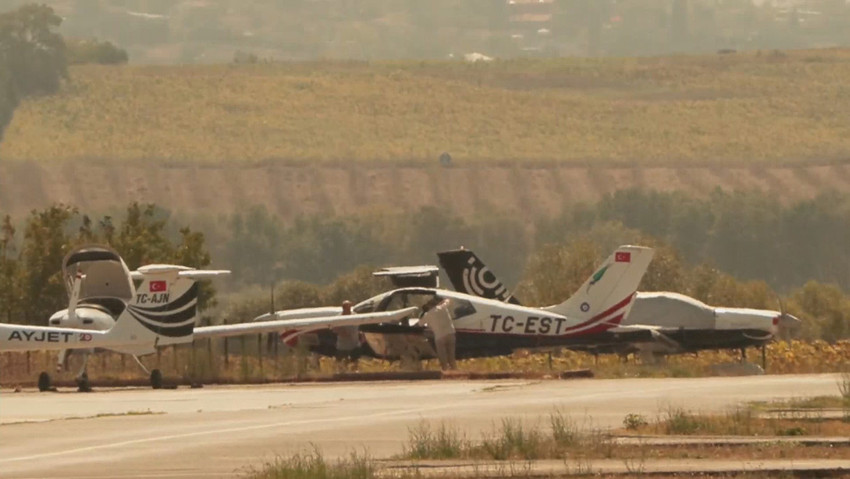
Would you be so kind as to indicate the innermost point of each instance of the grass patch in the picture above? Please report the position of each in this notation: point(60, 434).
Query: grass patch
point(513, 439)
point(313, 465)
point(441, 442)
point(510, 439)
point(360, 466)
point(844, 386)
point(816, 402)
point(747, 420)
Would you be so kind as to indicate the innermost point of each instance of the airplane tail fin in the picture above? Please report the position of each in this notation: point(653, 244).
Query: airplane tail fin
point(164, 308)
point(468, 274)
point(607, 296)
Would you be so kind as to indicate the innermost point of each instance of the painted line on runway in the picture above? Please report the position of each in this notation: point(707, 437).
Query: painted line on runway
point(133, 442)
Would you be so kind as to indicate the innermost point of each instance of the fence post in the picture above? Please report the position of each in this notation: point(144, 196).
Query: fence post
point(260, 354)
point(210, 362)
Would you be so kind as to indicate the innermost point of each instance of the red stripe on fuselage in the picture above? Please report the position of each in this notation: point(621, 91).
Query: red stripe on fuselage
point(288, 337)
point(603, 314)
point(601, 327)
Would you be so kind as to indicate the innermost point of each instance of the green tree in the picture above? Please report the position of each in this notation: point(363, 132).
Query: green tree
point(94, 51)
point(32, 56)
point(254, 246)
point(9, 281)
point(355, 286)
point(46, 242)
point(556, 271)
point(142, 238)
point(824, 310)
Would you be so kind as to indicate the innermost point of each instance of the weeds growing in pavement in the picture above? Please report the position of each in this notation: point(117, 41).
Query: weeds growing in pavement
point(313, 465)
point(444, 442)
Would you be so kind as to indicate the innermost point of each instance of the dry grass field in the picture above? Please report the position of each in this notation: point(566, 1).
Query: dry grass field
point(527, 136)
point(771, 107)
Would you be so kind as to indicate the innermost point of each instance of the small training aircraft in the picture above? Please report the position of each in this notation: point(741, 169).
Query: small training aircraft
point(659, 323)
point(489, 327)
point(106, 311)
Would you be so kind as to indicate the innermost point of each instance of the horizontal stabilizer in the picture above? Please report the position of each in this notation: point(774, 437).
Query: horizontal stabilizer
point(182, 271)
point(424, 270)
point(425, 276)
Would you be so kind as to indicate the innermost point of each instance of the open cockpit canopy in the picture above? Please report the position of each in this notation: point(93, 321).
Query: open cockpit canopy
point(105, 277)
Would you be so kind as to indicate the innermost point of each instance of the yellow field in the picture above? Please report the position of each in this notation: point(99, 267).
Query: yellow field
point(788, 107)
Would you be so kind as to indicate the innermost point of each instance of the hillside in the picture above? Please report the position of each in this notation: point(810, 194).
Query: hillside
point(526, 192)
point(754, 108)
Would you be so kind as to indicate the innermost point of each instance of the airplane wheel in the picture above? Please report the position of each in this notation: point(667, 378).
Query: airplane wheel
point(44, 382)
point(83, 385)
point(156, 379)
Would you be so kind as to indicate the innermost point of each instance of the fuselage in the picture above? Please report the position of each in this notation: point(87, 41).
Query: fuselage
point(484, 327)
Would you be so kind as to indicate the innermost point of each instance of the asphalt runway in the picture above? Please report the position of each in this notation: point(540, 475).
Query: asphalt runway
point(219, 431)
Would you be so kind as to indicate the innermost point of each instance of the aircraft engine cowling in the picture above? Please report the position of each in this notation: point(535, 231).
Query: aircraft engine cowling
point(84, 318)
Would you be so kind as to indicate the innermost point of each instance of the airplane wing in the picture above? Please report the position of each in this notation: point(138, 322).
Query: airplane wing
point(301, 313)
point(303, 323)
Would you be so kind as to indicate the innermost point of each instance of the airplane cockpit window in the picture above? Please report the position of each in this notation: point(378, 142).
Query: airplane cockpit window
point(405, 299)
point(461, 308)
point(366, 307)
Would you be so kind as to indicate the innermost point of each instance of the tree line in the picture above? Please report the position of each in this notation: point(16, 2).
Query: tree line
point(31, 283)
point(750, 235)
point(729, 249)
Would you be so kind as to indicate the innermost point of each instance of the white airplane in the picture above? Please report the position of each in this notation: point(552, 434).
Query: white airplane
point(107, 311)
point(487, 327)
point(659, 323)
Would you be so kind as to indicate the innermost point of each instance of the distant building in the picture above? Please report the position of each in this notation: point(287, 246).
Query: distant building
point(531, 22)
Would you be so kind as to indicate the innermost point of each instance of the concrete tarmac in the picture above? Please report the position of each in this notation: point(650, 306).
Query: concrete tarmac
point(219, 431)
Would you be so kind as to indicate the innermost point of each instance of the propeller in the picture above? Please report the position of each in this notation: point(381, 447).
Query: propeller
point(787, 322)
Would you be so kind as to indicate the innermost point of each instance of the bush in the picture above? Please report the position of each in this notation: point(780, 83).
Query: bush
point(633, 422)
point(82, 51)
point(679, 421)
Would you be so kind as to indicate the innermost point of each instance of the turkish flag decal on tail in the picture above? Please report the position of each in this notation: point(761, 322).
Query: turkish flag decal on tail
point(160, 286)
point(623, 257)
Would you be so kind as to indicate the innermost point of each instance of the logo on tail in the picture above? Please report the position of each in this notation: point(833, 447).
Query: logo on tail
point(597, 276)
point(468, 274)
point(174, 319)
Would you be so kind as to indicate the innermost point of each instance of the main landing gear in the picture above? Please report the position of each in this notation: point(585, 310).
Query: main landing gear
point(156, 379)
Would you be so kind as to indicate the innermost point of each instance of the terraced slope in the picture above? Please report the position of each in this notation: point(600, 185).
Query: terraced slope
point(527, 191)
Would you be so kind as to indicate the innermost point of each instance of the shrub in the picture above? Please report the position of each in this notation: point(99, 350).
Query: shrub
point(633, 422)
point(82, 51)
